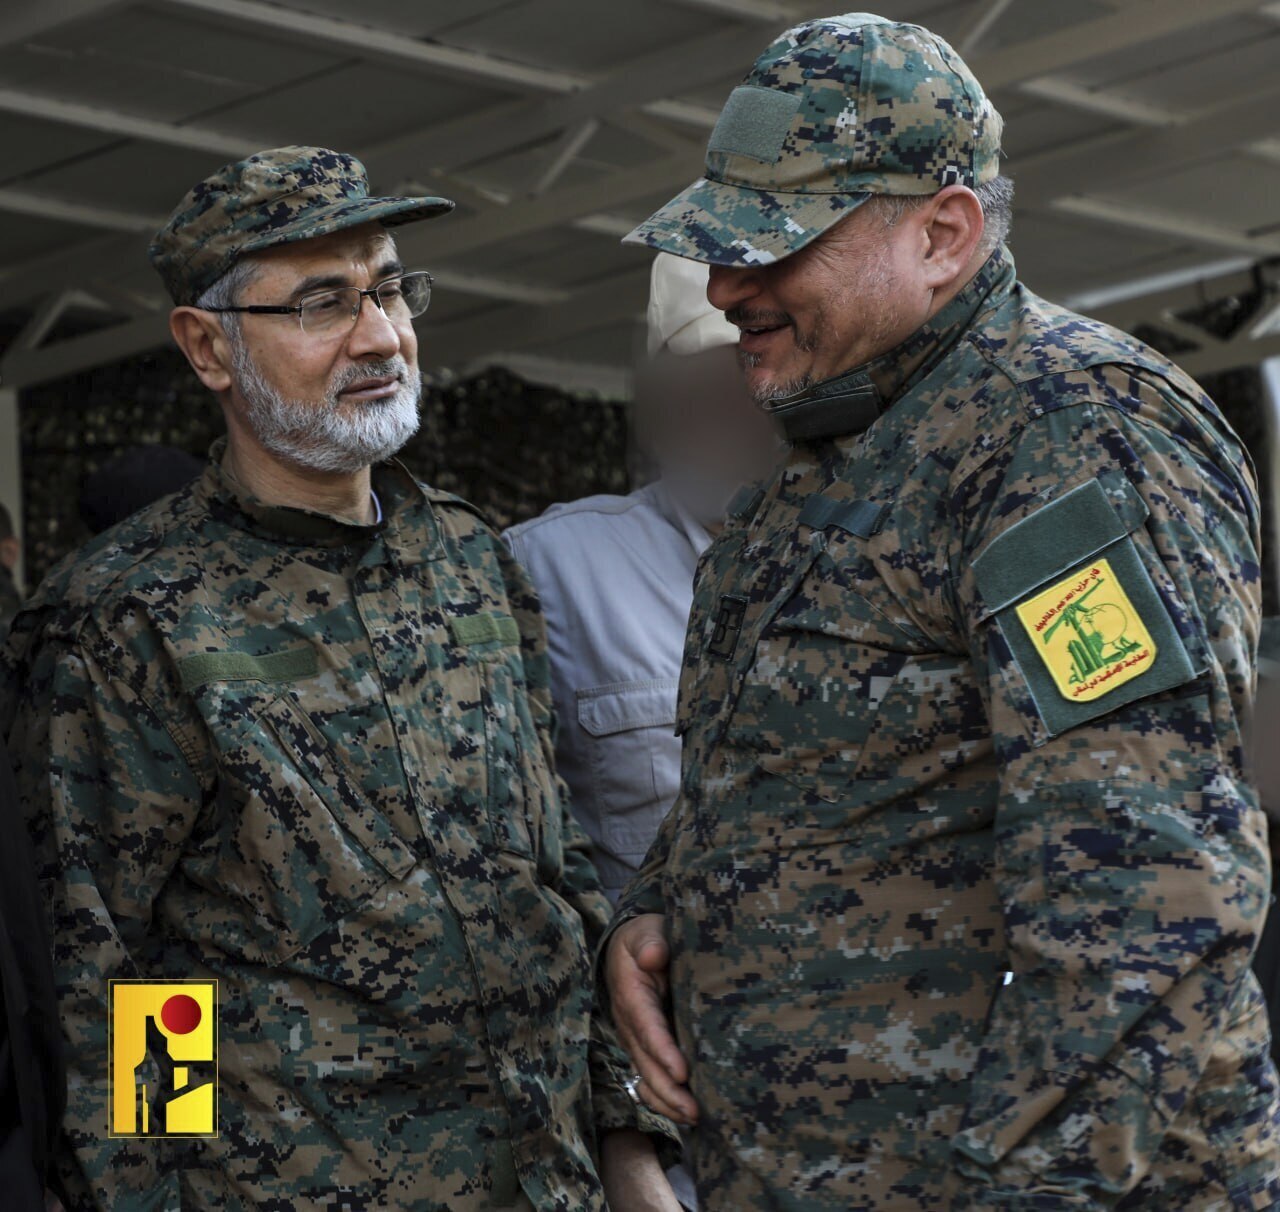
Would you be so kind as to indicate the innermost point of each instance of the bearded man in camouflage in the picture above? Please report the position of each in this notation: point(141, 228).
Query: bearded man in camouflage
point(290, 729)
point(956, 907)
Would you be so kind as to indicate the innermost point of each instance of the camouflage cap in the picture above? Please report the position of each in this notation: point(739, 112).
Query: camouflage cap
point(835, 110)
point(273, 197)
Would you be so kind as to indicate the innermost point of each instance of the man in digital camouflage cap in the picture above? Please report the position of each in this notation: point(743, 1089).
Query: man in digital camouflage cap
point(957, 904)
point(289, 729)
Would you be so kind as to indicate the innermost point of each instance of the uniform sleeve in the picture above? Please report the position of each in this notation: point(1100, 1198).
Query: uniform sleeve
point(111, 801)
point(1107, 574)
point(576, 880)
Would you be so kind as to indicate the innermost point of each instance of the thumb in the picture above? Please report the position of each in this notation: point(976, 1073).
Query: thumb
point(648, 948)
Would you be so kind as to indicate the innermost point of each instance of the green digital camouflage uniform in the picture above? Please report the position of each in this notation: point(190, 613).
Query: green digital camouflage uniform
point(965, 875)
point(312, 759)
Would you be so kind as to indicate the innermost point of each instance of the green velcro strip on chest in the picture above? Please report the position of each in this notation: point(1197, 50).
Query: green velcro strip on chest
point(1047, 543)
point(754, 123)
point(860, 518)
point(485, 629)
point(200, 668)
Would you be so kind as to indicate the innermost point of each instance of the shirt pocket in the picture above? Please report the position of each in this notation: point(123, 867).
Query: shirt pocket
point(1080, 627)
point(825, 660)
point(634, 760)
point(519, 790)
point(296, 846)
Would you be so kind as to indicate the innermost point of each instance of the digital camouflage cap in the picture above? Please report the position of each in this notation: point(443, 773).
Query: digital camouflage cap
point(273, 197)
point(835, 110)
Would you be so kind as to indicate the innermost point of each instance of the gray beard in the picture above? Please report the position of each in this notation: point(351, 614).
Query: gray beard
point(328, 435)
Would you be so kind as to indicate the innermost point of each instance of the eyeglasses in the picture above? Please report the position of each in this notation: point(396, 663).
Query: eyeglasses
point(326, 313)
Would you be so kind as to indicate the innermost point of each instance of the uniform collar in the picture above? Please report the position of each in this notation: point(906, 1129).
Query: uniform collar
point(850, 402)
point(231, 502)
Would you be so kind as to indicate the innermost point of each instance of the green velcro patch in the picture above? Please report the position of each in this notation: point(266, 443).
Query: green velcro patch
point(860, 518)
point(1087, 629)
point(1047, 543)
point(485, 629)
point(202, 667)
point(754, 123)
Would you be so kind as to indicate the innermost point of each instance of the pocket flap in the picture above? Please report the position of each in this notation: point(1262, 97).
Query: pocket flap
point(1055, 538)
point(621, 706)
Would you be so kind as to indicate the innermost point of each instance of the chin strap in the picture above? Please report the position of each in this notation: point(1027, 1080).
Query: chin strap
point(844, 405)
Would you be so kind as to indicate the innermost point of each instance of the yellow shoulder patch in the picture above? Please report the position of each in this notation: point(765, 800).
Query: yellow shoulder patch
point(1088, 633)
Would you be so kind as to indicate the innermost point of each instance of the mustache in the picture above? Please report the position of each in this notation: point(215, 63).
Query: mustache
point(747, 317)
point(390, 368)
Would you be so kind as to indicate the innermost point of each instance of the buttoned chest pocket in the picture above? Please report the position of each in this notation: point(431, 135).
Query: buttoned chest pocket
point(825, 659)
point(519, 793)
point(296, 844)
point(634, 760)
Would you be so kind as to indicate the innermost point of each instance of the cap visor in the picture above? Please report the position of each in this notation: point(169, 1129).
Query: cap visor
point(721, 224)
point(321, 220)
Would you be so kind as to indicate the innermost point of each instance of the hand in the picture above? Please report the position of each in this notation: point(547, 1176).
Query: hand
point(636, 973)
point(632, 1175)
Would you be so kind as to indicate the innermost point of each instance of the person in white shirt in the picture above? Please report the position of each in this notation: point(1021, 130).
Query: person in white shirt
point(615, 574)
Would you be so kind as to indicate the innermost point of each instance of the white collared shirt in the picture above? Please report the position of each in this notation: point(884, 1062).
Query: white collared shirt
point(615, 575)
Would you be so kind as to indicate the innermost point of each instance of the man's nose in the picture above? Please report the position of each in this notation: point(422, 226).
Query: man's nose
point(730, 286)
point(373, 333)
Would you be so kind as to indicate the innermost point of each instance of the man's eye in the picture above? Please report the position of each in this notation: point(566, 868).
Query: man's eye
point(322, 304)
point(390, 290)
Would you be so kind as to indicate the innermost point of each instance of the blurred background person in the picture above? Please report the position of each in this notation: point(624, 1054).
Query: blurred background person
point(133, 480)
point(615, 574)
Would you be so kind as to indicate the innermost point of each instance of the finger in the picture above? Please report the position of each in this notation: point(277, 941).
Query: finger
point(660, 1094)
point(641, 1018)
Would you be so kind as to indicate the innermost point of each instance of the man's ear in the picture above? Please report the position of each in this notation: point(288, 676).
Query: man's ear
point(952, 225)
point(10, 549)
point(202, 339)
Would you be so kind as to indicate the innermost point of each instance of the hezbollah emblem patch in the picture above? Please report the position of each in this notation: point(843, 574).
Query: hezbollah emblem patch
point(1088, 633)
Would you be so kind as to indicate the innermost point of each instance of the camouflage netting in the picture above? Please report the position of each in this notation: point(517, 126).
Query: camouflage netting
point(509, 446)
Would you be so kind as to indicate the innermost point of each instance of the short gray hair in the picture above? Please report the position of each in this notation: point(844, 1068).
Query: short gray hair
point(226, 292)
point(994, 196)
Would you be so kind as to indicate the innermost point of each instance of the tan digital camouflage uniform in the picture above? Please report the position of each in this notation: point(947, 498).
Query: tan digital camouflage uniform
point(891, 797)
point(311, 759)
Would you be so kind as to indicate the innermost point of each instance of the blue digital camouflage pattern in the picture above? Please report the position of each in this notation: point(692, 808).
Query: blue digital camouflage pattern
point(312, 760)
point(883, 813)
point(272, 197)
point(832, 112)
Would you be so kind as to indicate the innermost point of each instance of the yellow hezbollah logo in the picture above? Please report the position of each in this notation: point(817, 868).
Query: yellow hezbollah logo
point(1090, 635)
point(164, 1058)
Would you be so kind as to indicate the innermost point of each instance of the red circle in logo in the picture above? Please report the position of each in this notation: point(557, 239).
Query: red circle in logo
point(180, 1014)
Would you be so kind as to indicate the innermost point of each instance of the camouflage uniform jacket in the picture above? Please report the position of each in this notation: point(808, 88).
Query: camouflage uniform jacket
point(312, 760)
point(895, 792)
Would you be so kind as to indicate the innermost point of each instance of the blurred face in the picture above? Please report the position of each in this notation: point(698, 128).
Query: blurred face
point(708, 437)
point(855, 292)
point(326, 401)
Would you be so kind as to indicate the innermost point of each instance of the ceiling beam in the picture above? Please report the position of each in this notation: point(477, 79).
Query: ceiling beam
point(24, 368)
point(1132, 154)
point(554, 209)
point(1137, 24)
point(43, 206)
point(981, 24)
point(22, 22)
point(380, 45)
point(1164, 223)
point(617, 300)
point(124, 126)
point(646, 82)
